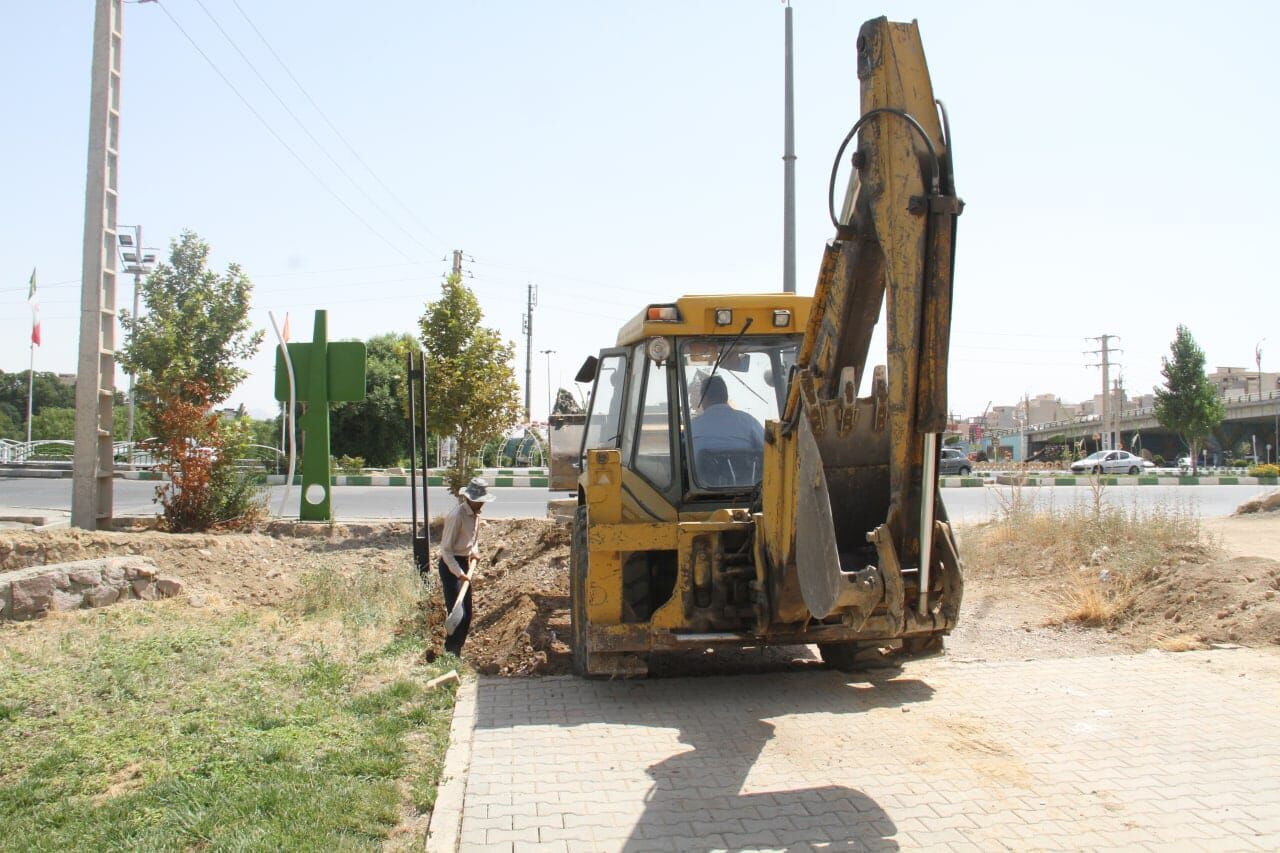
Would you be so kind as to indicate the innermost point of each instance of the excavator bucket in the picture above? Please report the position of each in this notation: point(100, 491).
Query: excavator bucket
point(871, 544)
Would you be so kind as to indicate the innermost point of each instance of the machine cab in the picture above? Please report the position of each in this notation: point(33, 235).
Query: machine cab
point(686, 393)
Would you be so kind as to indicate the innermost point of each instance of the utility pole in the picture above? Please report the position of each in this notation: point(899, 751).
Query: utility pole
point(94, 461)
point(548, 353)
point(1104, 354)
point(528, 350)
point(788, 166)
point(457, 262)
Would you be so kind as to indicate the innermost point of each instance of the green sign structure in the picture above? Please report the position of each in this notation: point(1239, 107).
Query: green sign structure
point(323, 373)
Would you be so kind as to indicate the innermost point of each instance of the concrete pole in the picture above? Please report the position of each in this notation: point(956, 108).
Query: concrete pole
point(91, 504)
point(788, 167)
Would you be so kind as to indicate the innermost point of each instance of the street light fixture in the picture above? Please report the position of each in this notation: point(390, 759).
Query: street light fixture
point(138, 262)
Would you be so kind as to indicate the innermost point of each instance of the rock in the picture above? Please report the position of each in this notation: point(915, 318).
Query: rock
point(86, 577)
point(113, 575)
point(143, 588)
point(168, 587)
point(67, 600)
point(60, 580)
point(31, 596)
point(139, 569)
point(195, 599)
point(101, 596)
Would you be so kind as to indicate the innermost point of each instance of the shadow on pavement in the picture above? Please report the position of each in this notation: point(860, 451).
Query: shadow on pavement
point(697, 799)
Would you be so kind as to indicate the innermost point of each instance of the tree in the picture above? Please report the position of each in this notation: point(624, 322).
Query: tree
point(49, 392)
point(1187, 404)
point(195, 330)
point(376, 428)
point(472, 392)
point(54, 423)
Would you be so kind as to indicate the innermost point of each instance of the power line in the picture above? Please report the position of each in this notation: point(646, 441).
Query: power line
point(307, 130)
point(333, 127)
point(279, 138)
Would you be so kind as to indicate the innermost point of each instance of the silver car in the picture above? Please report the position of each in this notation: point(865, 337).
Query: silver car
point(1109, 462)
point(953, 461)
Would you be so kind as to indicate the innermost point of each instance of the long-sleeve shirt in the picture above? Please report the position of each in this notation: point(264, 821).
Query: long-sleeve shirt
point(458, 538)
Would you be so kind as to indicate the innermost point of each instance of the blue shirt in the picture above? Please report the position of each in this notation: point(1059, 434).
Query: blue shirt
point(722, 427)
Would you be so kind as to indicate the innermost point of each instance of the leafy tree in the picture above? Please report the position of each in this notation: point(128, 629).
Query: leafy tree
point(51, 423)
point(9, 429)
point(195, 330)
point(1188, 404)
point(472, 392)
point(376, 428)
point(49, 392)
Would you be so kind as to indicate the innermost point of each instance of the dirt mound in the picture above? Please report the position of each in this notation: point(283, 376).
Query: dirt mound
point(245, 568)
point(1231, 599)
point(521, 622)
point(1269, 502)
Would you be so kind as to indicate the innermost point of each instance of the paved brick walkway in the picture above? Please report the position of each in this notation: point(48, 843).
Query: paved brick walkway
point(1155, 750)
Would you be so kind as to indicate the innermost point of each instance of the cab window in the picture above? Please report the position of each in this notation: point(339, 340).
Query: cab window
point(653, 440)
point(606, 404)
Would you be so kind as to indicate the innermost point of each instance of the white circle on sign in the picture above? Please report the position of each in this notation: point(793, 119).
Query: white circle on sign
point(315, 494)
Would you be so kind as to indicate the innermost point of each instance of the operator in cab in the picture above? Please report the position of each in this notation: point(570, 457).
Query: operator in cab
point(728, 444)
point(719, 426)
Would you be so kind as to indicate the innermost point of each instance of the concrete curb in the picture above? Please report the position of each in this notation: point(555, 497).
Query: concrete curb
point(445, 828)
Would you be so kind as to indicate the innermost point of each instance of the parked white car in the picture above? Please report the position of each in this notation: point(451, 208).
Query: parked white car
point(1109, 462)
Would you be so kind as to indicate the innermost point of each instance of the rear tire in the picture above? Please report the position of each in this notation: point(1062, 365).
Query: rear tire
point(851, 656)
point(577, 591)
point(964, 472)
point(922, 647)
point(1097, 469)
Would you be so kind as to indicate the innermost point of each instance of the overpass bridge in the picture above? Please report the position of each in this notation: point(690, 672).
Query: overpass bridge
point(1247, 415)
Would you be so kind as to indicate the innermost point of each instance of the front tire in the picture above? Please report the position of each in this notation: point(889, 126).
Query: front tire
point(1133, 469)
point(964, 472)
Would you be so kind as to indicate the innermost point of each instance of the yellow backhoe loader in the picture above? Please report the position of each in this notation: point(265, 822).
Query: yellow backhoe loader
point(735, 488)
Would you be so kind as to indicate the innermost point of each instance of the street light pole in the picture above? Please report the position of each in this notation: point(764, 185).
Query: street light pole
point(1257, 357)
point(139, 263)
point(548, 353)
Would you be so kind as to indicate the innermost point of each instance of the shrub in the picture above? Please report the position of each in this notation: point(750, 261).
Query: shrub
point(350, 464)
point(198, 453)
point(1265, 471)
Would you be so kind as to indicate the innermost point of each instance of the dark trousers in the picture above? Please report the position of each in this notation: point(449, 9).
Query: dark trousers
point(451, 584)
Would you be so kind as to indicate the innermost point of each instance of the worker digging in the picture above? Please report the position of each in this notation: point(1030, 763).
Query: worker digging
point(459, 547)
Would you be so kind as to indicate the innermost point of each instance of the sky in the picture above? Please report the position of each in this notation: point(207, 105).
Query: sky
point(616, 154)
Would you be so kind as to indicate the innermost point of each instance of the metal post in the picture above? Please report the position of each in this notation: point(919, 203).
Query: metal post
point(788, 167)
point(31, 390)
point(550, 400)
point(91, 504)
point(137, 283)
point(528, 352)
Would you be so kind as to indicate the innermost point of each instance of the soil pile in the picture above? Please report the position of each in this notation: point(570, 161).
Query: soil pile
point(521, 603)
point(262, 569)
point(1269, 502)
point(1227, 600)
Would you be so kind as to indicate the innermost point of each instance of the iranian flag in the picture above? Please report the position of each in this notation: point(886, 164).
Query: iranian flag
point(35, 309)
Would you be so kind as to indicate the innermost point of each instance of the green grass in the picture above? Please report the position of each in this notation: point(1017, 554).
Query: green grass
point(164, 727)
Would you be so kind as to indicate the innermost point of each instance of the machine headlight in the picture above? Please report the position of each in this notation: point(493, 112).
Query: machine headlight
point(724, 316)
point(659, 349)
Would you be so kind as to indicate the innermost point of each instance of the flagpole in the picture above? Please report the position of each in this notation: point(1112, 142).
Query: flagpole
point(31, 387)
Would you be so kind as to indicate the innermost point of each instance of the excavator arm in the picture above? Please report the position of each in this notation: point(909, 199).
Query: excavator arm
point(850, 521)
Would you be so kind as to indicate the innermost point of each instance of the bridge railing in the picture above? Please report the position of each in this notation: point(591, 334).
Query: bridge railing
point(1142, 412)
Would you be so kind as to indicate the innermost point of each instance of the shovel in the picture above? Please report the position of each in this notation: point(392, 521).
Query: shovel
point(455, 615)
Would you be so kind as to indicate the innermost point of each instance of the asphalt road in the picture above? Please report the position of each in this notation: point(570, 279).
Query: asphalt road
point(965, 506)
